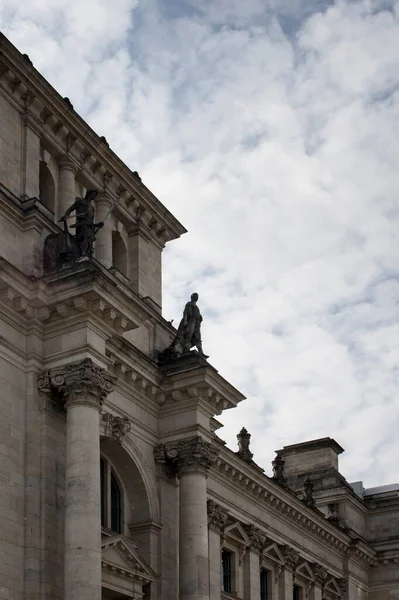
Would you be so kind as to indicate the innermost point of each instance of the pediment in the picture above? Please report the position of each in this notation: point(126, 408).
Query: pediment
point(304, 570)
point(236, 532)
point(120, 555)
point(332, 587)
point(274, 553)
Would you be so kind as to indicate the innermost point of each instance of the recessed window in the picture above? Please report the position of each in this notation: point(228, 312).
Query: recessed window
point(111, 498)
point(46, 187)
point(119, 253)
point(264, 579)
point(227, 561)
point(297, 593)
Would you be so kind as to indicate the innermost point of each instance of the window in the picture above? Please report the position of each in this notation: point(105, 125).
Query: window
point(226, 571)
point(46, 187)
point(111, 498)
point(297, 593)
point(264, 576)
point(119, 254)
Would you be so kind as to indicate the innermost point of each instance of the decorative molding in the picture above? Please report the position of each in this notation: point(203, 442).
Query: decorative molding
point(116, 427)
point(80, 382)
point(320, 574)
point(217, 515)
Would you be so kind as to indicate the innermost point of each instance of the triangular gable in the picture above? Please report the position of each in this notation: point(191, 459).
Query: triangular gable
point(274, 553)
point(237, 533)
point(332, 587)
point(305, 571)
point(123, 557)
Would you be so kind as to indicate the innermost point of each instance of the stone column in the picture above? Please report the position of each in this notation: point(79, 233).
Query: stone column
point(252, 564)
point(103, 247)
point(286, 581)
point(217, 517)
point(192, 458)
point(83, 386)
point(66, 184)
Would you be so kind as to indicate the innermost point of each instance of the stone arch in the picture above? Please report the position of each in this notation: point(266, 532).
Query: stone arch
point(119, 253)
point(46, 187)
point(135, 477)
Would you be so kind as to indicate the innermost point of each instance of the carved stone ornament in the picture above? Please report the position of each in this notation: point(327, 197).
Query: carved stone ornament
point(257, 537)
point(278, 470)
point(217, 515)
point(243, 445)
point(291, 557)
point(320, 574)
point(333, 512)
point(307, 490)
point(77, 382)
point(116, 427)
point(190, 455)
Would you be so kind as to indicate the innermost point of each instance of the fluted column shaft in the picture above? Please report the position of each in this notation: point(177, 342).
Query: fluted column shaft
point(103, 248)
point(66, 185)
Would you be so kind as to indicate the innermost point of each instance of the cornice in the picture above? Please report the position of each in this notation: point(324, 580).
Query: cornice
point(278, 499)
point(70, 134)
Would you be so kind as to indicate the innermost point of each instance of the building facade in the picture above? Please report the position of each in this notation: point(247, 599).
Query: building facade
point(114, 482)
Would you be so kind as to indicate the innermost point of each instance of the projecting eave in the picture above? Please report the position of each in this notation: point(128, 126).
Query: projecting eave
point(192, 377)
point(64, 132)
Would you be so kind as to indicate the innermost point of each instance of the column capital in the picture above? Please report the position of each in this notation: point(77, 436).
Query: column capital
point(291, 557)
point(67, 164)
point(320, 574)
point(191, 455)
point(257, 538)
point(217, 515)
point(82, 382)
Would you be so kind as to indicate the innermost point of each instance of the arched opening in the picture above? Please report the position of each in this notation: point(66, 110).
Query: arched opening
point(111, 498)
point(119, 253)
point(46, 187)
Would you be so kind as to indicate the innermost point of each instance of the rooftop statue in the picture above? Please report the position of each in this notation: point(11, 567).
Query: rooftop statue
point(63, 248)
point(188, 333)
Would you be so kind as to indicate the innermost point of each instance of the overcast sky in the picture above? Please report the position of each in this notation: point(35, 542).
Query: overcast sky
point(270, 128)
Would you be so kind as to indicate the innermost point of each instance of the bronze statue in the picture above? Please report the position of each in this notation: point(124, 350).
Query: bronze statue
point(188, 333)
point(86, 229)
point(63, 248)
point(189, 330)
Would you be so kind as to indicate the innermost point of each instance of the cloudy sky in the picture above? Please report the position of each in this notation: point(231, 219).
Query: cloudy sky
point(270, 128)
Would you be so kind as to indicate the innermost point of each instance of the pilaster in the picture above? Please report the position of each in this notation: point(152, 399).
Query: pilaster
point(217, 517)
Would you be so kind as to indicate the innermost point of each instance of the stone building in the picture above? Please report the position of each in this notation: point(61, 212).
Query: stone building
point(113, 480)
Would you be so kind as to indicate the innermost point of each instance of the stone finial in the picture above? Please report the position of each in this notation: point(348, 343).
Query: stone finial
point(243, 445)
point(68, 102)
point(217, 515)
point(188, 455)
point(116, 427)
point(291, 557)
point(257, 537)
point(278, 470)
point(80, 381)
point(307, 489)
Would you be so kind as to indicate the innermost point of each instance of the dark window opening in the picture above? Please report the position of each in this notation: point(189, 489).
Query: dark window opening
point(116, 508)
point(297, 593)
point(226, 571)
point(263, 584)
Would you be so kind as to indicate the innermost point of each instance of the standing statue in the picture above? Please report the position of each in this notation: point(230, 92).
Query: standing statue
point(63, 248)
point(188, 333)
point(86, 229)
point(189, 330)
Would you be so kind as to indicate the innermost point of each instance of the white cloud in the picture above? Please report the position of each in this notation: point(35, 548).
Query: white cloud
point(276, 148)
